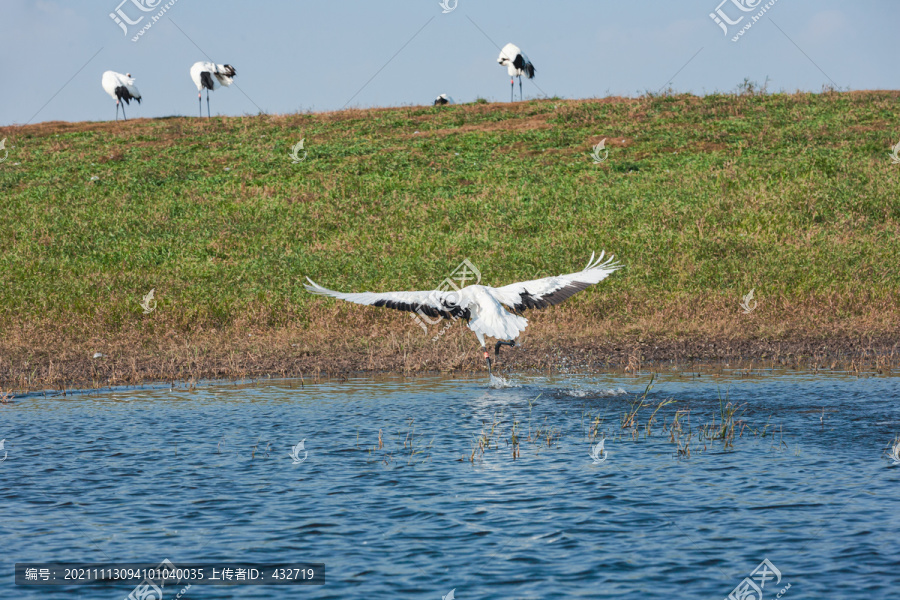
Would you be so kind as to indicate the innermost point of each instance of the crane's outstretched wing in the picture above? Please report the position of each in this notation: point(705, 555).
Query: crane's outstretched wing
point(436, 303)
point(541, 293)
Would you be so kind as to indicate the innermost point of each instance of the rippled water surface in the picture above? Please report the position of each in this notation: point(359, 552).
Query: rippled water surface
point(446, 503)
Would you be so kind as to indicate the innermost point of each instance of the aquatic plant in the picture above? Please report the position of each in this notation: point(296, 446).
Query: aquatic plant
point(483, 440)
point(514, 440)
point(652, 418)
point(628, 419)
point(680, 433)
point(410, 450)
point(725, 429)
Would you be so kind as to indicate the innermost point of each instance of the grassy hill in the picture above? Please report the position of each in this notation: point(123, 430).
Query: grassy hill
point(702, 199)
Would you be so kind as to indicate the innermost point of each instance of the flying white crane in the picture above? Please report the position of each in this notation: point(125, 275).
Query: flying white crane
point(209, 76)
point(488, 311)
point(443, 99)
point(517, 64)
point(120, 87)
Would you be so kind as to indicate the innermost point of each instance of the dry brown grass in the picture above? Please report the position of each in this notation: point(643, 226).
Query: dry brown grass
point(349, 339)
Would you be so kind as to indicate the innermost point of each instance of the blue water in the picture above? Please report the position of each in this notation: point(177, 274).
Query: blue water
point(205, 475)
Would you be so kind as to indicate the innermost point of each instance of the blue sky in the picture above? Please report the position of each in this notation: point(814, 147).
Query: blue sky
point(301, 56)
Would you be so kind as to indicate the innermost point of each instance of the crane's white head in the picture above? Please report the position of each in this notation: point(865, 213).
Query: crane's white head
point(508, 54)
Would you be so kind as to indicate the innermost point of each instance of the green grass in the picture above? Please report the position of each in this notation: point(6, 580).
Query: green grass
point(793, 195)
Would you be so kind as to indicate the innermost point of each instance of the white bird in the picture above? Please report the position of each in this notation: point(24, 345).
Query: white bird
point(209, 76)
point(120, 87)
point(488, 311)
point(517, 64)
point(443, 99)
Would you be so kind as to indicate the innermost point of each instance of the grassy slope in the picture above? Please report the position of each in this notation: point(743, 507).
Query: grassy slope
point(701, 198)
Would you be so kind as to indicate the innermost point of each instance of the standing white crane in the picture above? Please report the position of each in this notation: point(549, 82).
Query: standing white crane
point(120, 87)
point(442, 100)
point(488, 311)
point(209, 76)
point(517, 64)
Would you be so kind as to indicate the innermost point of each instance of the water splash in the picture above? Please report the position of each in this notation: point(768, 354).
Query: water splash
point(589, 393)
point(498, 382)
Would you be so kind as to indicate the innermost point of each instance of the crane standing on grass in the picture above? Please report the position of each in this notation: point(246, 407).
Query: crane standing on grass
point(209, 76)
point(120, 87)
point(517, 64)
point(488, 311)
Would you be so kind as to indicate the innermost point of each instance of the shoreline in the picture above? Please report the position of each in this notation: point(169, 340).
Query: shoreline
point(199, 360)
